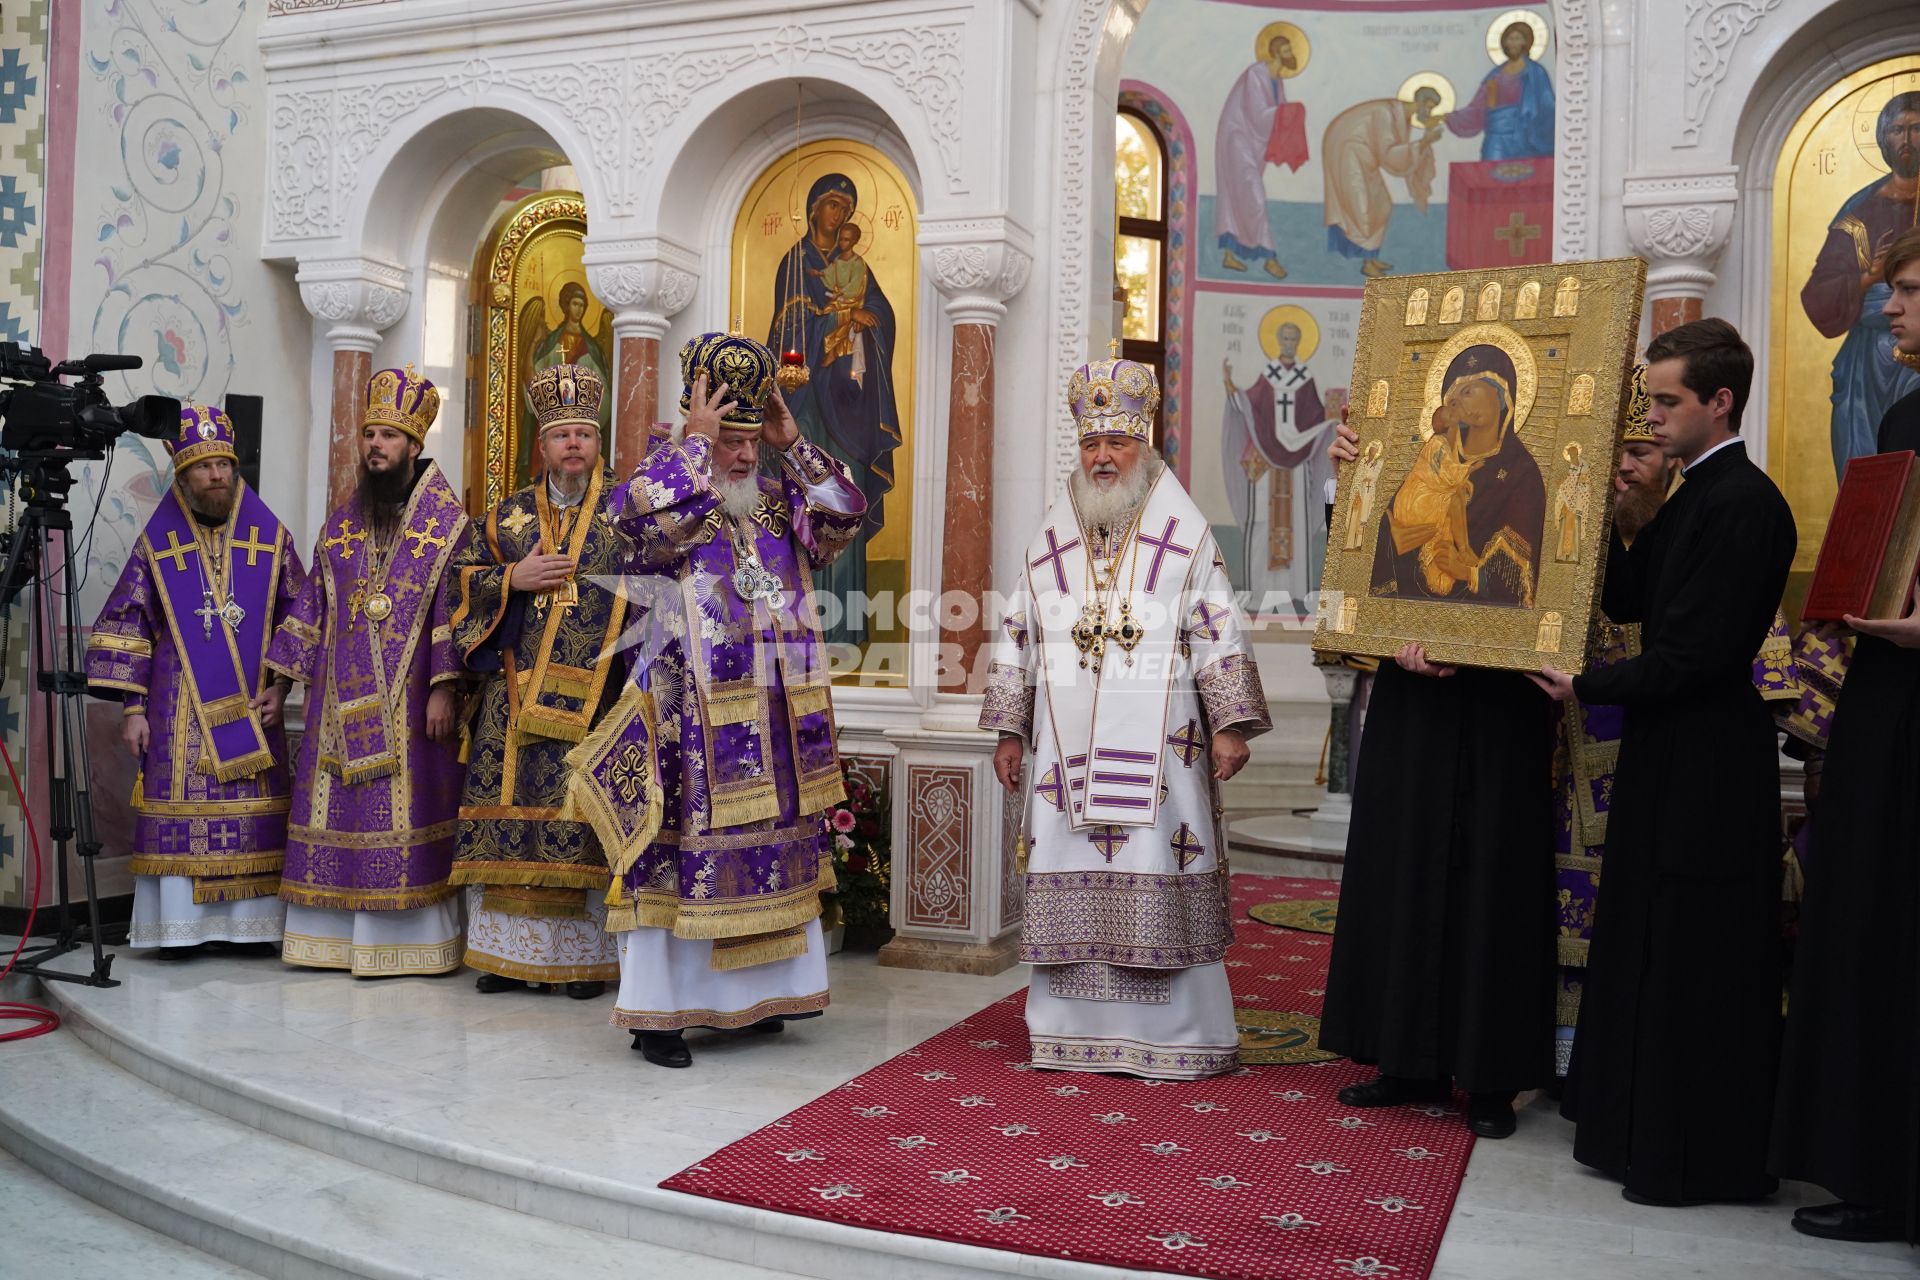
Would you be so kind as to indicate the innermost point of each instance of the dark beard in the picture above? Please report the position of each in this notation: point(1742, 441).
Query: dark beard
point(383, 499)
point(211, 510)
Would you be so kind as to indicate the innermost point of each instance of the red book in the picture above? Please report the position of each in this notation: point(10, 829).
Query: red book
point(1872, 549)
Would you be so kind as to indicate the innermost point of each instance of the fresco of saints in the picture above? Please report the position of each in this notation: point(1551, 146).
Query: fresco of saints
point(1845, 292)
point(1268, 431)
point(1363, 142)
point(829, 307)
point(1512, 111)
point(569, 342)
point(1258, 127)
point(1467, 522)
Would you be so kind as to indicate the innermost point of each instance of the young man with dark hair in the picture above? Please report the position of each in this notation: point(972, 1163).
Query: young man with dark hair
point(1671, 1082)
point(1849, 1109)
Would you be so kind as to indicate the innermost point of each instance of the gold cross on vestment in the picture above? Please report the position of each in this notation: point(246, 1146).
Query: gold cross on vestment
point(1516, 233)
point(252, 545)
point(514, 523)
point(344, 540)
point(176, 551)
point(423, 538)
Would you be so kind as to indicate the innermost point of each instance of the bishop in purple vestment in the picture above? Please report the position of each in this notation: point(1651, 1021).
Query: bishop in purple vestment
point(377, 787)
point(708, 782)
point(180, 644)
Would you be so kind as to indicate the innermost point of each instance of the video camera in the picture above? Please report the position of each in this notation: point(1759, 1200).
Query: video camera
point(43, 420)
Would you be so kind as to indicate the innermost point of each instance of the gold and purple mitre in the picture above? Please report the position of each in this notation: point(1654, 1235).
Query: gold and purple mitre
point(1635, 428)
point(205, 432)
point(746, 366)
point(566, 394)
point(1113, 398)
point(403, 400)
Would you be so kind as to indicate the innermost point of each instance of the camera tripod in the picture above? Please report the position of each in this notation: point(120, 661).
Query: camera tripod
point(61, 682)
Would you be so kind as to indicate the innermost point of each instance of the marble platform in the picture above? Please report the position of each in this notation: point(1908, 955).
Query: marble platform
point(303, 1124)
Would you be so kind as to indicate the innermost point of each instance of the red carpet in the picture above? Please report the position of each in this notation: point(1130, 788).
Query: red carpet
point(1249, 1177)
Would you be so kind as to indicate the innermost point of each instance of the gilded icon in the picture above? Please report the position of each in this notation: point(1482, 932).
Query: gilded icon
point(1526, 305)
point(1488, 305)
point(1417, 307)
point(1580, 396)
point(1566, 299)
point(1473, 512)
point(1453, 306)
point(1377, 399)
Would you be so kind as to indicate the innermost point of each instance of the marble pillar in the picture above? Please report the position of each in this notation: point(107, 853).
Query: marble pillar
point(1671, 313)
point(1680, 223)
point(351, 370)
point(966, 561)
point(358, 299)
point(638, 388)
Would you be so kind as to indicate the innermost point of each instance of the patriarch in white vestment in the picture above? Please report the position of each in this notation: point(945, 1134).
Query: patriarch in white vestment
point(1122, 664)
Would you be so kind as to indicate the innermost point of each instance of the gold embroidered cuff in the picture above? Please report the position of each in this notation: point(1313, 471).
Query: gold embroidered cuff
point(1008, 706)
point(1233, 697)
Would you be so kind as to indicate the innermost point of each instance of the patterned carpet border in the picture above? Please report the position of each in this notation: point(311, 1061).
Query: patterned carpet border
point(1260, 1175)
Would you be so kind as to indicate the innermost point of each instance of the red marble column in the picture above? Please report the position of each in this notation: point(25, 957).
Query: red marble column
point(967, 561)
point(351, 370)
point(1671, 313)
point(639, 391)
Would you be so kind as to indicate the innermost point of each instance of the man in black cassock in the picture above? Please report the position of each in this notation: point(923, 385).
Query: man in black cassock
point(1674, 1060)
point(1443, 966)
point(1849, 1106)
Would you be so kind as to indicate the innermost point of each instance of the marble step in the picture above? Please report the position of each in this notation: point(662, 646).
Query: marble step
point(274, 1207)
point(53, 1234)
point(526, 1104)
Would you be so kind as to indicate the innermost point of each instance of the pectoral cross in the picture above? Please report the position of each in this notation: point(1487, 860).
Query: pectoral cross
point(354, 599)
point(252, 545)
point(423, 538)
point(207, 612)
point(176, 551)
point(344, 541)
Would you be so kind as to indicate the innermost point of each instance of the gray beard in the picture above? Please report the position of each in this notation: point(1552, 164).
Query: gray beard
point(738, 498)
point(1113, 508)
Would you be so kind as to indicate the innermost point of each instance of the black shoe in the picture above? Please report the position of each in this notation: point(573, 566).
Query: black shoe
point(1393, 1091)
point(586, 990)
point(253, 948)
point(1490, 1115)
point(1653, 1201)
point(1844, 1220)
point(180, 953)
point(768, 1027)
point(663, 1048)
point(494, 982)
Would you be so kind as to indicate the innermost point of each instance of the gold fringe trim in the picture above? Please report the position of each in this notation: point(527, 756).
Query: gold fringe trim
point(746, 953)
point(732, 708)
point(403, 837)
point(384, 765)
point(226, 710)
point(809, 700)
point(817, 795)
point(239, 889)
point(553, 875)
point(243, 864)
point(696, 921)
point(546, 722)
point(240, 767)
point(756, 802)
point(1573, 952)
point(542, 973)
point(331, 899)
point(513, 902)
point(265, 806)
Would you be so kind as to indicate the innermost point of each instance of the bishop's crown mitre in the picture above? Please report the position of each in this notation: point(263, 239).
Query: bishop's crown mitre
point(565, 395)
point(1114, 398)
point(205, 432)
point(403, 400)
point(746, 366)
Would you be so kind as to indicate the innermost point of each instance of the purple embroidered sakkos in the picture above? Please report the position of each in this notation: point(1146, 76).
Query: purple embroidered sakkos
point(374, 799)
point(728, 727)
point(182, 640)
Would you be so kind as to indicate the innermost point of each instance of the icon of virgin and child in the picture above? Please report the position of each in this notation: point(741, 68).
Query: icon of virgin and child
point(1467, 522)
point(829, 306)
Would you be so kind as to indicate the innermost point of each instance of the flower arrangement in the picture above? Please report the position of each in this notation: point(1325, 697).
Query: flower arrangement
point(861, 829)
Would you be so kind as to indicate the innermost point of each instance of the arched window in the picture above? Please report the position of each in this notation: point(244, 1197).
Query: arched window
point(1140, 242)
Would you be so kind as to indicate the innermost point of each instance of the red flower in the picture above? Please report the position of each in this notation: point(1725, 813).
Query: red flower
point(868, 828)
point(843, 820)
point(856, 862)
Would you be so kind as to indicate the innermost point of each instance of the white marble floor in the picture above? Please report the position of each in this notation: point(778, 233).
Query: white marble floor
point(538, 1088)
